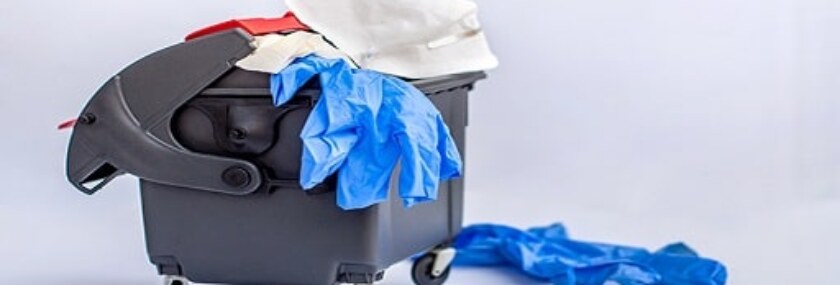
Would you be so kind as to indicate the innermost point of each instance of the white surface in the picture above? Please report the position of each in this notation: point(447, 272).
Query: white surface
point(635, 122)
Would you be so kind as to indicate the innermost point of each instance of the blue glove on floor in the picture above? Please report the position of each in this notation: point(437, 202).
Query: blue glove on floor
point(547, 253)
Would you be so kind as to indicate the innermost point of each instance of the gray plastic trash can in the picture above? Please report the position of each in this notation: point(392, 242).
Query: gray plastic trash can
point(218, 167)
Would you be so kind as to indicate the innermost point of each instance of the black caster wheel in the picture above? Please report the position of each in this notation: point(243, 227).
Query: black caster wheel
point(424, 272)
point(175, 280)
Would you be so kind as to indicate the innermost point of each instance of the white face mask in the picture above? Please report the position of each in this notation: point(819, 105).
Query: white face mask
point(408, 38)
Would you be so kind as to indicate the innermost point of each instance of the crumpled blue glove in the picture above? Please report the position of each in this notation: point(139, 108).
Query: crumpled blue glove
point(364, 124)
point(548, 253)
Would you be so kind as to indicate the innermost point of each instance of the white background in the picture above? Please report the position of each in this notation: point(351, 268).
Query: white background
point(635, 122)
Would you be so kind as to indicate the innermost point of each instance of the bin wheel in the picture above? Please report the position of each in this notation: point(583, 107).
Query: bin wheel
point(422, 273)
point(175, 280)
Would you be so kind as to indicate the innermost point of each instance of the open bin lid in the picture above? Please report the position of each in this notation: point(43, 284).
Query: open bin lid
point(125, 127)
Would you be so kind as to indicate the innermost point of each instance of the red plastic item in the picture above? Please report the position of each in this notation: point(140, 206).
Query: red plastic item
point(69, 124)
point(254, 26)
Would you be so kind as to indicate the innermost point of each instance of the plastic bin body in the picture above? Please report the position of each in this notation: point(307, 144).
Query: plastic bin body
point(218, 166)
point(283, 235)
